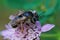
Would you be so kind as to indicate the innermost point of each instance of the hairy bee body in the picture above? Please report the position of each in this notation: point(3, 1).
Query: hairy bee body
point(24, 16)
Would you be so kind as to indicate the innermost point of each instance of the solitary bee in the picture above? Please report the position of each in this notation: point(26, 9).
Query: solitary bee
point(24, 16)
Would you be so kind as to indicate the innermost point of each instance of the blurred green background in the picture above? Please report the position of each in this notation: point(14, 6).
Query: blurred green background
point(48, 11)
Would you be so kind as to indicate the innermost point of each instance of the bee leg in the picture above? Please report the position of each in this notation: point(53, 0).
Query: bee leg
point(22, 28)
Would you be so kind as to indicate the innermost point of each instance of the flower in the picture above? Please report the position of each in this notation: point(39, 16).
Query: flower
point(31, 34)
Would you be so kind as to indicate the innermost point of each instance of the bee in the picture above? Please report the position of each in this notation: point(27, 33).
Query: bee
point(24, 16)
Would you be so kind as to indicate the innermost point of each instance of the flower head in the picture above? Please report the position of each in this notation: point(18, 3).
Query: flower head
point(30, 34)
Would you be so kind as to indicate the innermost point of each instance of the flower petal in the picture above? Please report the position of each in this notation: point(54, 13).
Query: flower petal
point(8, 26)
point(6, 33)
point(38, 24)
point(47, 27)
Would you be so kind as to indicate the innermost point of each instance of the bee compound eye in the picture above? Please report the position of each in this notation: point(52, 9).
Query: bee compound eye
point(26, 14)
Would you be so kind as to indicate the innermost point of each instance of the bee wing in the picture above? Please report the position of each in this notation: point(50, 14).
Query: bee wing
point(12, 17)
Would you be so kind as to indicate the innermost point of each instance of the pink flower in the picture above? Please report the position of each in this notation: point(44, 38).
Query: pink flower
point(14, 34)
